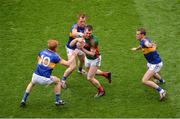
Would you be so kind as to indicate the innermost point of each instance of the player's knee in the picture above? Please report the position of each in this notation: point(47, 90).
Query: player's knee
point(59, 83)
point(144, 81)
point(73, 67)
point(56, 80)
point(89, 77)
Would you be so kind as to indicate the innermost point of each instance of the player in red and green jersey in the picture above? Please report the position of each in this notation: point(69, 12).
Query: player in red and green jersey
point(92, 59)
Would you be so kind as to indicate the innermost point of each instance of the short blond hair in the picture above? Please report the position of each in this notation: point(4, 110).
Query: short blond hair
point(81, 15)
point(52, 44)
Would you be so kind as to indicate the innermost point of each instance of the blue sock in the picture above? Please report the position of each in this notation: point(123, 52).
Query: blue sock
point(25, 96)
point(57, 97)
point(63, 78)
point(158, 89)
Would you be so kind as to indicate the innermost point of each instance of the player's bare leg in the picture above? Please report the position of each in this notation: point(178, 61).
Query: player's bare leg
point(26, 94)
point(68, 71)
point(147, 82)
point(29, 87)
point(90, 76)
point(81, 64)
point(107, 75)
point(57, 91)
point(158, 78)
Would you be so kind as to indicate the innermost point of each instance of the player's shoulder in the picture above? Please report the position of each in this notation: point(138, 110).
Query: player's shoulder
point(56, 54)
point(55, 57)
point(95, 38)
point(147, 39)
point(74, 26)
point(95, 41)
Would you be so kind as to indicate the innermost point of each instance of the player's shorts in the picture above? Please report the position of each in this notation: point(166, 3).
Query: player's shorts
point(155, 67)
point(36, 79)
point(71, 51)
point(95, 62)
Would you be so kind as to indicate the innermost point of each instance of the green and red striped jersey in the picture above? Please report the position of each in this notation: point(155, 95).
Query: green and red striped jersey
point(92, 42)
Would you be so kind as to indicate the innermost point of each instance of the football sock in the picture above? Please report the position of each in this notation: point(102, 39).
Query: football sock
point(25, 96)
point(63, 78)
point(159, 89)
point(161, 80)
point(105, 74)
point(57, 97)
point(100, 89)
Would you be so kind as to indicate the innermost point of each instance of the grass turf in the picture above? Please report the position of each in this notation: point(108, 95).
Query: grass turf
point(25, 26)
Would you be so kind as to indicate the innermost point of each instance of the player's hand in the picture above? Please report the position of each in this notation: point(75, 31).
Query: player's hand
point(154, 45)
point(133, 49)
point(80, 35)
point(80, 43)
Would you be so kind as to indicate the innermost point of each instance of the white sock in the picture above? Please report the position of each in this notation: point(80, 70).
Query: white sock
point(162, 91)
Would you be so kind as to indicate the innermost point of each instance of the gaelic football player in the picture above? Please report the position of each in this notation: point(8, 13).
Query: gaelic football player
point(47, 60)
point(92, 59)
point(77, 30)
point(154, 62)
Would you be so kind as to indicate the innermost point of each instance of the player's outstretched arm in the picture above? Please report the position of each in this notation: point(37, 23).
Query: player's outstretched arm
point(64, 62)
point(136, 48)
point(74, 41)
point(67, 63)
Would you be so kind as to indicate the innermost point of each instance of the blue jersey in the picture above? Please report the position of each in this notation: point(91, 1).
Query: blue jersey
point(47, 60)
point(79, 29)
point(150, 54)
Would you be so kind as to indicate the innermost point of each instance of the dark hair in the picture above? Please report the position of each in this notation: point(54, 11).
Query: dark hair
point(89, 27)
point(82, 15)
point(142, 31)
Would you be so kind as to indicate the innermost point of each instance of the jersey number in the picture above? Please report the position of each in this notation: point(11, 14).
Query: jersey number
point(45, 61)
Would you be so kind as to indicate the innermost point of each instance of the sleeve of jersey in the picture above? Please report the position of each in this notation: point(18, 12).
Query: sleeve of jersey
point(74, 26)
point(142, 43)
point(57, 59)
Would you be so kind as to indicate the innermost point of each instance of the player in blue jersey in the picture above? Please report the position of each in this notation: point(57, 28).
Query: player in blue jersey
point(47, 60)
point(154, 61)
point(77, 30)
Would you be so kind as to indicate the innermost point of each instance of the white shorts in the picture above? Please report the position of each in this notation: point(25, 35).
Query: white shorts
point(71, 51)
point(36, 79)
point(95, 62)
point(155, 67)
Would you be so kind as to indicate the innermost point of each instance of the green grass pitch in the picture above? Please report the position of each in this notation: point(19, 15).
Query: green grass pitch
point(26, 25)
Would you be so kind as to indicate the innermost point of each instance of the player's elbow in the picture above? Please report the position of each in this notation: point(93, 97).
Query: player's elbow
point(73, 35)
point(71, 44)
point(144, 81)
